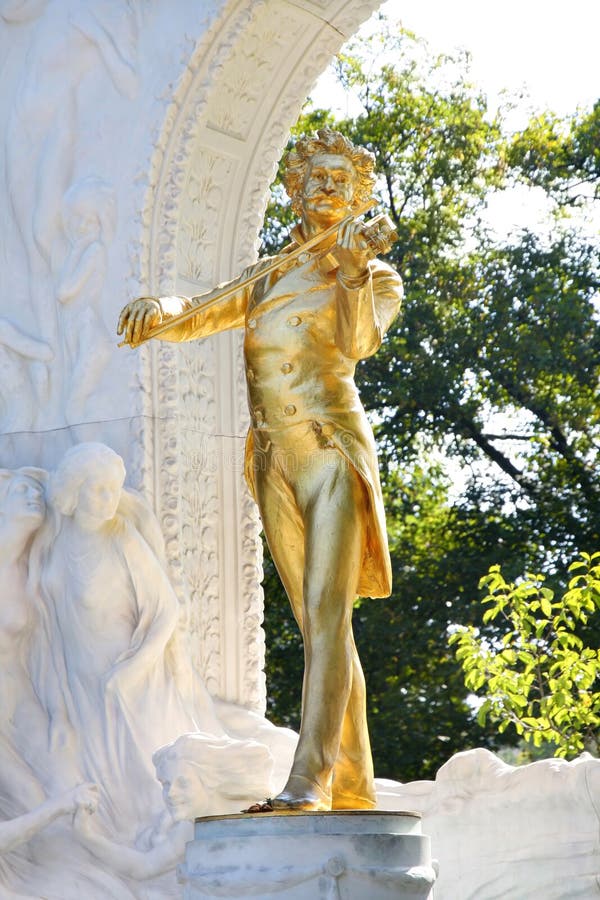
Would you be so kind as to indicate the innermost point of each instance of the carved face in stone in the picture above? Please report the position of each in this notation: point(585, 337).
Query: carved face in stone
point(99, 496)
point(90, 210)
point(88, 484)
point(329, 186)
point(85, 225)
point(22, 502)
point(184, 792)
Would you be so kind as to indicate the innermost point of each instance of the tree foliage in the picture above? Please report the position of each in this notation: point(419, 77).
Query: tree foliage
point(538, 675)
point(560, 156)
point(488, 379)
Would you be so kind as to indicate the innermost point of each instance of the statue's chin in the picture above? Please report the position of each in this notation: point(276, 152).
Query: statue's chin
point(183, 813)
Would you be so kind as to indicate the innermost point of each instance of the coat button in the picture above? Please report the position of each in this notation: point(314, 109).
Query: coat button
point(286, 368)
point(290, 410)
point(293, 321)
point(252, 323)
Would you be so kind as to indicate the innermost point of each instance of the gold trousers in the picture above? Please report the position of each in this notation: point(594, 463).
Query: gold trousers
point(313, 506)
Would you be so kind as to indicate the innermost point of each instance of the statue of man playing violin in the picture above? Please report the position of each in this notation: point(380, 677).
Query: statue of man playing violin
point(311, 461)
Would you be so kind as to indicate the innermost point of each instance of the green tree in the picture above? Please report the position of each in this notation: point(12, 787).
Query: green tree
point(562, 156)
point(538, 676)
point(492, 368)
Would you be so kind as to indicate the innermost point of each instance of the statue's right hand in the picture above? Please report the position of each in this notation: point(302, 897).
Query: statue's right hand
point(85, 797)
point(137, 318)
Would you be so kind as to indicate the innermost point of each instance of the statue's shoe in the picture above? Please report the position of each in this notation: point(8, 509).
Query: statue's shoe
point(302, 795)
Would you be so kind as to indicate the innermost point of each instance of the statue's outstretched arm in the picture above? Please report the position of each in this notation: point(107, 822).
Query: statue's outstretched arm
point(22, 829)
point(127, 861)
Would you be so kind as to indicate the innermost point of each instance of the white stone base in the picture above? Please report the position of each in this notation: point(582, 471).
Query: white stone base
point(321, 856)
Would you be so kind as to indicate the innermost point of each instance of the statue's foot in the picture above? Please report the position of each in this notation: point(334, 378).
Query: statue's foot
point(302, 795)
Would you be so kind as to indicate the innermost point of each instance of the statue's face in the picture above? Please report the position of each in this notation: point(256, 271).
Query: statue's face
point(329, 186)
point(183, 791)
point(99, 496)
point(84, 224)
point(23, 502)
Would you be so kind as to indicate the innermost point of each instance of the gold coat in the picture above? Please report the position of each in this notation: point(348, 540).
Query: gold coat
point(305, 330)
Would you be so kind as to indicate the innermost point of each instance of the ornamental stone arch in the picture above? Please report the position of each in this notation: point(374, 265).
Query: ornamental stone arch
point(217, 154)
point(162, 124)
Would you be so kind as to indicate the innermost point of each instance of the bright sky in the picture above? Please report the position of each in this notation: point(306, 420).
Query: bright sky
point(549, 46)
point(546, 49)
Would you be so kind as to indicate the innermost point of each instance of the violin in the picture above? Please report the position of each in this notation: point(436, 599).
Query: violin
point(379, 232)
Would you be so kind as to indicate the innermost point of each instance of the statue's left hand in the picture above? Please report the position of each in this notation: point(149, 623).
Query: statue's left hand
point(352, 250)
point(85, 798)
point(85, 803)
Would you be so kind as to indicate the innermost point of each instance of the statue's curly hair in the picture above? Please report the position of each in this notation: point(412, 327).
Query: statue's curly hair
point(325, 140)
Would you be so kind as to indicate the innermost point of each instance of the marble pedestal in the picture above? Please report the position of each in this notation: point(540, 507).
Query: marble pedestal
point(309, 856)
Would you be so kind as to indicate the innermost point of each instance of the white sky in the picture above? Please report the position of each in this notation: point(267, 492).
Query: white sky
point(550, 46)
point(548, 50)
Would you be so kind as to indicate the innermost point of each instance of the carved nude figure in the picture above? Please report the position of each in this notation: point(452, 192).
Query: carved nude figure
point(200, 775)
point(89, 218)
point(23, 721)
point(112, 617)
point(23, 376)
point(45, 111)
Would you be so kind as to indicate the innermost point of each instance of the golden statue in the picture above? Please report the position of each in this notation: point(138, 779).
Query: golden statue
point(309, 315)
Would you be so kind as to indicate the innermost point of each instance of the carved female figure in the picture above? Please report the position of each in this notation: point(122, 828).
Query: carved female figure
point(23, 722)
point(113, 618)
point(200, 775)
point(43, 122)
point(89, 218)
point(23, 377)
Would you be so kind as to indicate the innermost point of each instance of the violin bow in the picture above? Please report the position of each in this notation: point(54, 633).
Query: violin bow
point(317, 239)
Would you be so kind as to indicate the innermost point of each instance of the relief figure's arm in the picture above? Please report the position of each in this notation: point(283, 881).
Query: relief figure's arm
point(127, 861)
point(20, 830)
point(157, 616)
point(84, 266)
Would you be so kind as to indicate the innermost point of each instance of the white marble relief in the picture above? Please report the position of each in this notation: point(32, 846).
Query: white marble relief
point(200, 775)
point(94, 683)
point(37, 851)
point(17, 12)
point(23, 725)
point(501, 831)
point(89, 220)
point(112, 619)
point(24, 362)
point(14, 832)
point(43, 124)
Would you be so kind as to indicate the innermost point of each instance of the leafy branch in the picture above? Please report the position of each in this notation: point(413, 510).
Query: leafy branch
point(537, 674)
